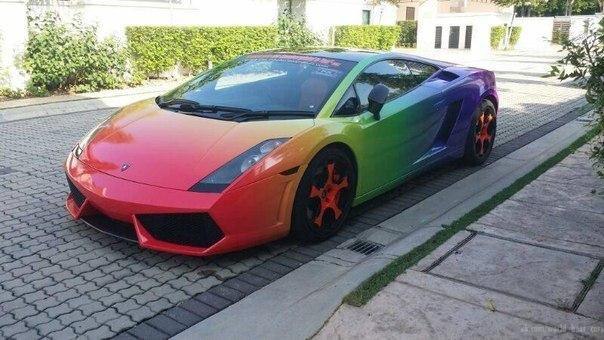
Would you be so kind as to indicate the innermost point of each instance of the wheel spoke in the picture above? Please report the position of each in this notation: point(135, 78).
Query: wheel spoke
point(314, 192)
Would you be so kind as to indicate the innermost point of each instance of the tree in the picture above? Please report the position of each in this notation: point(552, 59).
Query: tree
point(584, 62)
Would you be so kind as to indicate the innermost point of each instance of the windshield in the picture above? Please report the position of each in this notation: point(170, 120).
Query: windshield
point(266, 82)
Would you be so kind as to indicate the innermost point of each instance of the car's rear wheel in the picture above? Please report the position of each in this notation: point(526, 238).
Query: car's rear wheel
point(481, 134)
point(324, 196)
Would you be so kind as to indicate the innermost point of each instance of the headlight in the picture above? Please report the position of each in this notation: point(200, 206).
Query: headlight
point(225, 175)
point(79, 148)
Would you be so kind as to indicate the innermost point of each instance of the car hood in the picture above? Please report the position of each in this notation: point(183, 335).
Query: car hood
point(146, 144)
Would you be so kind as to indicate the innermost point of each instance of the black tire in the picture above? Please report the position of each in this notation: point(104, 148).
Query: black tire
point(317, 193)
point(481, 134)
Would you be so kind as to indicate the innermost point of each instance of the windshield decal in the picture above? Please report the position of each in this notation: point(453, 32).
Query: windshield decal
point(307, 59)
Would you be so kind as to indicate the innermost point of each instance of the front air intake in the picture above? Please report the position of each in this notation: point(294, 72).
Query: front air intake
point(78, 198)
point(195, 230)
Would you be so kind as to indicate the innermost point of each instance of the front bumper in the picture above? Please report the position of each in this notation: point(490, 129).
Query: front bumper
point(243, 217)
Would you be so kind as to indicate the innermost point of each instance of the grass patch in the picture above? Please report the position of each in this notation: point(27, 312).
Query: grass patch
point(375, 283)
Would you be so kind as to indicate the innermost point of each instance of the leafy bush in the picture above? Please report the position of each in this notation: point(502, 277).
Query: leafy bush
point(69, 57)
point(584, 62)
point(292, 32)
point(367, 36)
point(559, 36)
point(497, 36)
point(515, 35)
point(156, 49)
point(408, 37)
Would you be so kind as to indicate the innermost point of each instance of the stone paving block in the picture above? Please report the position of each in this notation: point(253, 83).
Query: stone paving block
point(568, 229)
point(561, 195)
point(120, 323)
point(576, 176)
point(182, 315)
point(593, 303)
point(213, 300)
point(166, 325)
point(103, 332)
point(65, 333)
point(535, 273)
point(227, 293)
point(144, 331)
point(199, 308)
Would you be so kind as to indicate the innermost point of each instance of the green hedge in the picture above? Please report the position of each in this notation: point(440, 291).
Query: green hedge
point(408, 36)
point(367, 36)
point(156, 49)
point(515, 35)
point(498, 35)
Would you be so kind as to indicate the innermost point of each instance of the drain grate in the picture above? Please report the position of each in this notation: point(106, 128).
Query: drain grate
point(365, 247)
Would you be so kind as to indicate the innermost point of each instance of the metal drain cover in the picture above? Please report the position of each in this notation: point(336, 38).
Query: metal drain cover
point(364, 247)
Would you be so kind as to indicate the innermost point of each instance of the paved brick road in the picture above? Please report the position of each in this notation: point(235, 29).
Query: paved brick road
point(62, 279)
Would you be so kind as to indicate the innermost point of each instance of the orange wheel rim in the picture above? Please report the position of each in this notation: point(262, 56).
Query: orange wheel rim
point(329, 195)
point(483, 137)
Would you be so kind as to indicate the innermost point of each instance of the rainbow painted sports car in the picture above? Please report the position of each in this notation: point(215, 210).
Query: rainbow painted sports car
point(273, 143)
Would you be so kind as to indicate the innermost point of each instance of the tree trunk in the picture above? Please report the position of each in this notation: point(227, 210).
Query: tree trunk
point(508, 33)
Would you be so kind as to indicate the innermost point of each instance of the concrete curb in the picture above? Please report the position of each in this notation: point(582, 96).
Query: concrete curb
point(299, 303)
point(28, 108)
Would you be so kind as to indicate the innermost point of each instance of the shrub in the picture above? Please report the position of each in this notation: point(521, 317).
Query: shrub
point(69, 57)
point(367, 36)
point(497, 36)
point(156, 49)
point(408, 36)
point(292, 32)
point(515, 35)
point(584, 62)
point(559, 36)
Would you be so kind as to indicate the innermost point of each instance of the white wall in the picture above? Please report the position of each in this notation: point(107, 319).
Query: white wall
point(481, 27)
point(536, 33)
point(13, 35)
point(321, 15)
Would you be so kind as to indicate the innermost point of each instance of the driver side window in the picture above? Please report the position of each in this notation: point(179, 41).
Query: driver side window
point(388, 72)
point(399, 76)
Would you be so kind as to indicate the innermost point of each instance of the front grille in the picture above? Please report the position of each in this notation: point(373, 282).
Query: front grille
point(112, 227)
point(195, 230)
point(75, 193)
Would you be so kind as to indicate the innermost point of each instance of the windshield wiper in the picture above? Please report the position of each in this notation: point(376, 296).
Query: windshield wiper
point(265, 114)
point(193, 106)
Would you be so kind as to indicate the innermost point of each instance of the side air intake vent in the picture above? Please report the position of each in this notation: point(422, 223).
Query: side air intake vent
point(446, 75)
point(195, 230)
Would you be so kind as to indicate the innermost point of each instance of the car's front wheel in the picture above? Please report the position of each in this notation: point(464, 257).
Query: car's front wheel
point(481, 134)
point(324, 196)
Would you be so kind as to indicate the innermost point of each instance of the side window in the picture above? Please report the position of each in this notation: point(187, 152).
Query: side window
point(399, 76)
point(348, 105)
point(419, 73)
point(387, 72)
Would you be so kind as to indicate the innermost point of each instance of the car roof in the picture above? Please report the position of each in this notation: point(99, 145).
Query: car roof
point(357, 55)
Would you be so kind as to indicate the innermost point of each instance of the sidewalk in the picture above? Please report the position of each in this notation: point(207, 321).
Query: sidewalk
point(529, 268)
point(26, 108)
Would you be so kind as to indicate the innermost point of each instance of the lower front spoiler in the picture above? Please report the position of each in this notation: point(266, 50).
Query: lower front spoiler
point(111, 227)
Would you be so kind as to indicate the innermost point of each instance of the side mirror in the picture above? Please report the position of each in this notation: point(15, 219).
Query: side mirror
point(377, 97)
